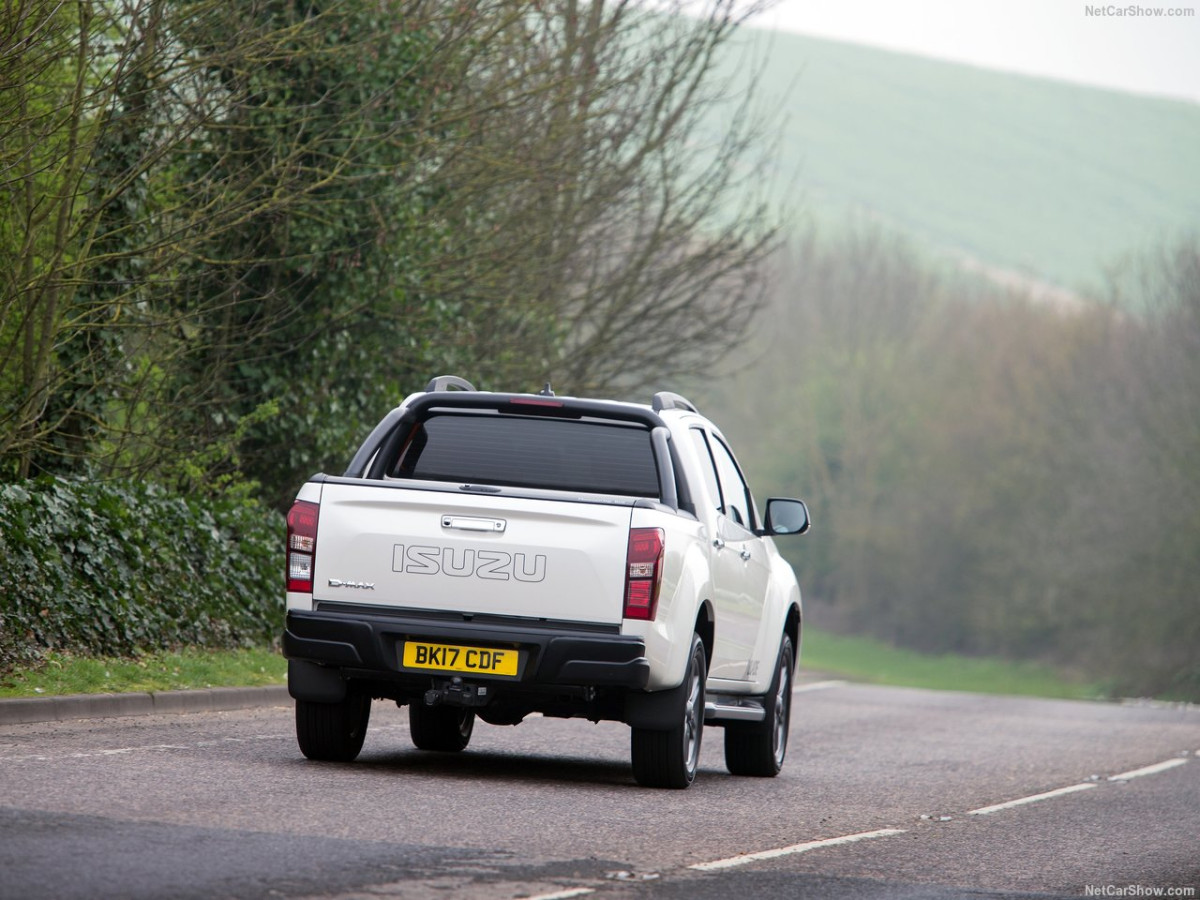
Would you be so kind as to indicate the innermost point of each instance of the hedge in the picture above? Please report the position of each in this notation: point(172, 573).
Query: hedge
point(115, 569)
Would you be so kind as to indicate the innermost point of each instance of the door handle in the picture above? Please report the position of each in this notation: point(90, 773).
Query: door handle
point(745, 554)
point(474, 523)
point(719, 543)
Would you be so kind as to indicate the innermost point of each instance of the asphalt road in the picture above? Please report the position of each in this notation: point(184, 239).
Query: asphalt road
point(887, 793)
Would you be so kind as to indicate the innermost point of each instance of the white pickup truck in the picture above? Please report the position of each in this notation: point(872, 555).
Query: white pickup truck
point(491, 555)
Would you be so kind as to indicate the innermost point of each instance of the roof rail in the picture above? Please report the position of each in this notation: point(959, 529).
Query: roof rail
point(669, 400)
point(446, 382)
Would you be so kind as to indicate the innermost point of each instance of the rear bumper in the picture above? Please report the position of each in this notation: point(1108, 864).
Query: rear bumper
point(370, 647)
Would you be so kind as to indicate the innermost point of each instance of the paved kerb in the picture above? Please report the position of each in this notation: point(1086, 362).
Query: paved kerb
point(98, 706)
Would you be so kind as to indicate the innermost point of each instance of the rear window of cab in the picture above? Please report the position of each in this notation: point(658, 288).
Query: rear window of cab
point(561, 454)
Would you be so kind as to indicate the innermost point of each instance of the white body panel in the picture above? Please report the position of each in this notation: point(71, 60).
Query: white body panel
point(449, 551)
point(741, 574)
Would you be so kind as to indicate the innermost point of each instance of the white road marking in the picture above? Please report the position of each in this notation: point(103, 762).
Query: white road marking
point(1149, 770)
point(986, 810)
point(745, 858)
point(146, 748)
point(1085, 786)
point(563, 895)
point(816, 686)
point(89, 754)
point(152, 748)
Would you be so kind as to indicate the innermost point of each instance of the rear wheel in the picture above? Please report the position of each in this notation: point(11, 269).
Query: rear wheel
point(669, 758)
point(443, 728)
point(333, 732)
point(758, 748)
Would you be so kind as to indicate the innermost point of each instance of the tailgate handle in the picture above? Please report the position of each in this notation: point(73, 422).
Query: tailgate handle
point(473, 523)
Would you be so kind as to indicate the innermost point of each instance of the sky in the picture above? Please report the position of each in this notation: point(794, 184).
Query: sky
point(1072, 40)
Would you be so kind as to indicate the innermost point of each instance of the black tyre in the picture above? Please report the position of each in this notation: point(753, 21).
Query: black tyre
point(443, 728)
point(758, 748)
point(333, 732)
point(669, 758)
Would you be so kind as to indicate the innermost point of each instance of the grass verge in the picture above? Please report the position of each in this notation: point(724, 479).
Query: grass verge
point(864, 659)
point(184, 670)
point(853, 658)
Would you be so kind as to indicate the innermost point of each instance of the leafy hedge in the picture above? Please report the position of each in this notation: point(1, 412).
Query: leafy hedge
point(106, 569)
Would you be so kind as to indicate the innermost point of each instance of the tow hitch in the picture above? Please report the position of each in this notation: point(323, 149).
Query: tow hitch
point(457, 693)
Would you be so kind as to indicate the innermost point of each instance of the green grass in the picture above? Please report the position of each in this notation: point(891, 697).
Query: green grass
point(853, 658)
point(864, 659)
point(186, 670)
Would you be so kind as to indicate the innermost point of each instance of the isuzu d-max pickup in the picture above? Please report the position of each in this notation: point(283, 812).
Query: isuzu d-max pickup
point(491, 556)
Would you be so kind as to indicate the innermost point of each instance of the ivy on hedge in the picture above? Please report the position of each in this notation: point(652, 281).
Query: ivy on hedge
point(113, 569)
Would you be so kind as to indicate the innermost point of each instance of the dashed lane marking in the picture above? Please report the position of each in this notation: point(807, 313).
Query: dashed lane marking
point(745, 858)
point(1149, 770)
point(1035, 798)
point(1085, 786)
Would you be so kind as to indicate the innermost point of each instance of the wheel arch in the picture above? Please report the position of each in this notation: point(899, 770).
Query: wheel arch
point(793, 628)
point(706, 627)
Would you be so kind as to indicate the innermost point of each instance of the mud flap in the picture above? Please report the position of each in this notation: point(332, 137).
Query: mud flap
point(656, 710)
point(317, 684)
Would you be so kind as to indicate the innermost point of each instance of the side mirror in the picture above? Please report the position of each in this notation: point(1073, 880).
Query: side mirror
point(786, 517)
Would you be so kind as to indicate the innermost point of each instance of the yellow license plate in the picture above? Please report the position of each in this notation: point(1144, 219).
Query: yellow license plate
point(451, 658)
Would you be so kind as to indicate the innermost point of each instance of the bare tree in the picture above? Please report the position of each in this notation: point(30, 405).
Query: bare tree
point(613, 242)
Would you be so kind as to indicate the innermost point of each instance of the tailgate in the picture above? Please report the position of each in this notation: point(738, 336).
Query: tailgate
point(455, 552)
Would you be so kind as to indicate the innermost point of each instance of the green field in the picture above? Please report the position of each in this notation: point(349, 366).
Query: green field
point(1048, 179)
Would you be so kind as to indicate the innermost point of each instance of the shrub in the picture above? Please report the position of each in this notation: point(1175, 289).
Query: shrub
point(117, 569)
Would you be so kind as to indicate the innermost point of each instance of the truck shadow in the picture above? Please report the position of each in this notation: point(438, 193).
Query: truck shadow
point(497, 766)
point(501, 768)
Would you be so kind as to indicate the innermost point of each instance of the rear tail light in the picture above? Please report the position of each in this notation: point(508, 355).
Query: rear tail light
point(643, 574)
point(301, 545)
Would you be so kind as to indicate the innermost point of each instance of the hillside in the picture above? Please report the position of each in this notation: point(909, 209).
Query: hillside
point(1048, 179)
